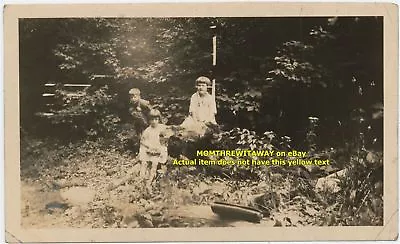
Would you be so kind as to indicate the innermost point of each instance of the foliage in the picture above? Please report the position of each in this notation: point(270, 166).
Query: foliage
point(95, 165)
point(360, 199)
point(88, 111)
point(173, 109)
point(238, 138)
point(294, 69)
point(315, 84)
point(261, 68)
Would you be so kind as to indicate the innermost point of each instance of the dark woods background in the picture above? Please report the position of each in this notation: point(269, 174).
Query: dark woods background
point(272, 73)
point(313, 84)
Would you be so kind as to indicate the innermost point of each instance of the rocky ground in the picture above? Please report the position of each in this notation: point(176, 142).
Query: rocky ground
point(82, 186)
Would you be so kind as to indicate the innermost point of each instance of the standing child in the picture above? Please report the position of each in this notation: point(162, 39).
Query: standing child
point(152, 152)
point(139, 109)
point(202, 109)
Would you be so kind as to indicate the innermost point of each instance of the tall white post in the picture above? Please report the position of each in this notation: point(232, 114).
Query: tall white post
point(214, 60)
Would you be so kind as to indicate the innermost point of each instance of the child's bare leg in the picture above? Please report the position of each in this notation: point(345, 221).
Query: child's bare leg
point(143, 170)
point(153, 171)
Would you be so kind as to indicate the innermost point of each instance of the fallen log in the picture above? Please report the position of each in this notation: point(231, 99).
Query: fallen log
point(237, 212)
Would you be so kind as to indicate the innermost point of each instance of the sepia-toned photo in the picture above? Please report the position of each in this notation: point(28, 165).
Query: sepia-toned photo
point(202, 123)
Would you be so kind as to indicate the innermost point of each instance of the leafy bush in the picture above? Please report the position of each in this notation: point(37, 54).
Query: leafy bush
point(360, 198)
point(88, 111)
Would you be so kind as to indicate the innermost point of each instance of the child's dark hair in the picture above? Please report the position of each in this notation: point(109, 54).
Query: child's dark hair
point(154, 113)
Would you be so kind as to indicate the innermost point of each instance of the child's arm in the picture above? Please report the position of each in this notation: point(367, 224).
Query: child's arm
point(144, 145)
point(144, 141)
point(191, 106)
point(213, 106)
point(151, 148)
point(213, 109)
point(146, 104)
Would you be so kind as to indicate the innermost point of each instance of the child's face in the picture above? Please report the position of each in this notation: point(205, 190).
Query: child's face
point(135, 97)
point(202, 88)
point(154, 122)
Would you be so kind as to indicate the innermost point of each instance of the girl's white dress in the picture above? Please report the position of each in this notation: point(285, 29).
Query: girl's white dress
point(202, 110)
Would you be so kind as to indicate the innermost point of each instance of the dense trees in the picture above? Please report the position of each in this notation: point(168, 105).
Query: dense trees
point(272, 73)
point(311, 84)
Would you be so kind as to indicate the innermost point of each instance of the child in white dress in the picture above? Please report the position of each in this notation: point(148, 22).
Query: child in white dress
point(202, 109)
point(152, 152)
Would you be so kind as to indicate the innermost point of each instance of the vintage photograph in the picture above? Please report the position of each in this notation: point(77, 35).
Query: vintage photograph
point(201, 122)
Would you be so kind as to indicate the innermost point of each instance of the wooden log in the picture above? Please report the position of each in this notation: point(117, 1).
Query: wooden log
point(238, 212)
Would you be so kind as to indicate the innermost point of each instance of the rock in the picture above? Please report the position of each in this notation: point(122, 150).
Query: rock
point(78, 195)
point(61, 183)
point(175, 221)
point(201, 188)
point(237, 212)
point(126, 219)
point(145, 221)
point(73, 212)
point(219, 188)
point(56, 207)
point(157, 220)
point(330, 182)
point(277, 223)
point(133, 224)
point(129, 222)
point(148, 206)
